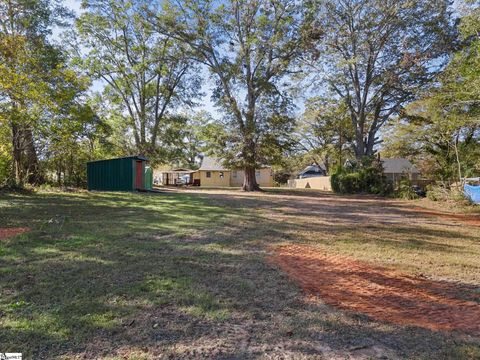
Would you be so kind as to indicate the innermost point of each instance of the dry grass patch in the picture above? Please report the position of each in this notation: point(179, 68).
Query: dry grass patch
point(183, 274)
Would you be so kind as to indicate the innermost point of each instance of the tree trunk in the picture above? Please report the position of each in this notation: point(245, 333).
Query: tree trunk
point(59, 176)
point(457, 158)
point(17, 174)
point(370, 143)
point(249, 181)
point(340, 148)
point(359, 145)
point(34, 175)
point(25, 160)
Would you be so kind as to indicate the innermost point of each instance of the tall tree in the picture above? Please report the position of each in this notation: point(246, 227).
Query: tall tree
point(377, 54)
point(443, 140)
point(461, 80)
point(194, 137)
point(30, 72)
point(146, 74)
point(248, 47)
point(443, 126)
point(325, 132)
point(71, 134)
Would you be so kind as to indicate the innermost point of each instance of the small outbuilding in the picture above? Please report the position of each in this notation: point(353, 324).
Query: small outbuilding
point(177, 176)
point(120, 174)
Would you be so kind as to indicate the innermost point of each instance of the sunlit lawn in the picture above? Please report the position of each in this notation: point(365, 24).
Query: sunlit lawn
point(127, 275)
point(93, 261)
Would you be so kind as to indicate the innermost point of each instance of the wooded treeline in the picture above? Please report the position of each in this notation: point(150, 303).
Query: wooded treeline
point(293, 83)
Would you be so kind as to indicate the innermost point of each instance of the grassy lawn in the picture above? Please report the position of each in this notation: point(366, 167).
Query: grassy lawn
point(121, 275)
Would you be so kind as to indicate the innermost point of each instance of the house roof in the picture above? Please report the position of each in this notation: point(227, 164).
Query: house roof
point(216, 164)
point(135, 157)
point(212, 164)
point(185, 170)
point(398, 166)
point(176, 171)
point(314, 168)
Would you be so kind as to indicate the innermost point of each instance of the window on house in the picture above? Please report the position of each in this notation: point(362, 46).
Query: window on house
point(209, 174)
point(234, 174)
point(257, 173)
point(221, 174)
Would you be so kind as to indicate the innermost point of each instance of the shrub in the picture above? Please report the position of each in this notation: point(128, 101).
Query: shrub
point(433, 193)
point(335, 178)
point(281, 178)
point(405, 191)
point(351, 183)
point(447, 193)
point(438, 193)
point(364, 177)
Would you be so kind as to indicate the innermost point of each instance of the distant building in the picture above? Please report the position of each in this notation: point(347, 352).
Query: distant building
point(172, 176)
point(312, 171)
point(396, 169)
point(313, 177)
point(213, 173)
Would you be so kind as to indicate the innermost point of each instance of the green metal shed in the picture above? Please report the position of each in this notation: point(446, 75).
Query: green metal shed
point(120, 174)
point(148, 178)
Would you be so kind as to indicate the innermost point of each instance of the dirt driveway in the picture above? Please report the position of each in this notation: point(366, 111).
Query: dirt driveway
point(381, 293)
point(389, 260)
point(419, 241)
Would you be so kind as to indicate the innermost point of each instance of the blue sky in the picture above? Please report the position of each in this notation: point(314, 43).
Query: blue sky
point(73, 4)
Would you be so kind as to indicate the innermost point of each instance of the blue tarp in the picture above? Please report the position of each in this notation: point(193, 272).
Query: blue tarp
point(473, 192)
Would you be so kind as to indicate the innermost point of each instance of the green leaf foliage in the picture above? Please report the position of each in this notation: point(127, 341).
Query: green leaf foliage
point(363, 177)
point(248, 47)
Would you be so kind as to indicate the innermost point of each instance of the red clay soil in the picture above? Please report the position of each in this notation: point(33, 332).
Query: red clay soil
point(467, 219)
point(9, 232)
point(380, 293)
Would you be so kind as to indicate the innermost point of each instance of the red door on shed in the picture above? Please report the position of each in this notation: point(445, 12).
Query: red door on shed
point(139, 176)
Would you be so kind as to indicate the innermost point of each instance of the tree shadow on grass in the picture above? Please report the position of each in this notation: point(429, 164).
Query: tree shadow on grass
point(180, 274)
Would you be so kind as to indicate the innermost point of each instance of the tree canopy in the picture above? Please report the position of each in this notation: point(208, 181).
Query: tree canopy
point(248, 47)
point(148, 75)
point(290, 83)
point(442, 128)
point(36, 86)
point(376, 55)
